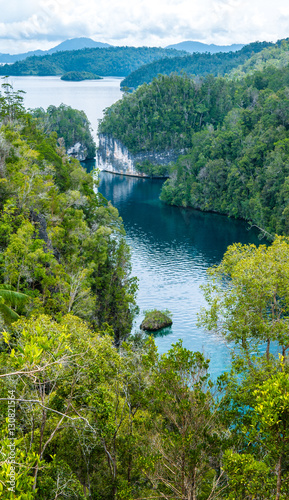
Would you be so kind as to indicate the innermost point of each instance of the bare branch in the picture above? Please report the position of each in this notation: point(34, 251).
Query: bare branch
point(41, 368)
point(36, 401)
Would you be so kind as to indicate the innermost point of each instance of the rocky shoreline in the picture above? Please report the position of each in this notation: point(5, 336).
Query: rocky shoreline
point(113, 156)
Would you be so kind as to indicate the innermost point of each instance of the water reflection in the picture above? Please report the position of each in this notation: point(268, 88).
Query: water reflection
point(163, 332)
point(172, 249)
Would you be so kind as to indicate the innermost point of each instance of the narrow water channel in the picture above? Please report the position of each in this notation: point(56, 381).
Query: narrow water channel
point(172, 249)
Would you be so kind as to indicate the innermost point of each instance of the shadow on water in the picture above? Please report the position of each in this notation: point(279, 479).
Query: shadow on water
point(89, 165)
point(138, 203)
point(163, 332)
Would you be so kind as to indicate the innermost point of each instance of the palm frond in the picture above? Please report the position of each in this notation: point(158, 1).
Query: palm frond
point(8, 314)
point(11, 297)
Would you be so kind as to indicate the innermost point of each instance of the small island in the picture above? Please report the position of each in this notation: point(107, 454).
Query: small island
point(78, 76)
point(155, 320)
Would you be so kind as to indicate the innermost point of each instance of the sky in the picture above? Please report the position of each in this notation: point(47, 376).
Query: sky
point(42, 24)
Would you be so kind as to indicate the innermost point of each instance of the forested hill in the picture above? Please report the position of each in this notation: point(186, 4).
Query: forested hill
point(71, 44)
point(70, 125)
point(60, 243)
point(110, 61)
point(87, 415)
point(236, 137)
point(276, 56)
point(196, 64)
point(191, 47)
point(165, 114)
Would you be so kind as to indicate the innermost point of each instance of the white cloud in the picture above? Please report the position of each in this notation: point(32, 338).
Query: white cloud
point(38, 23)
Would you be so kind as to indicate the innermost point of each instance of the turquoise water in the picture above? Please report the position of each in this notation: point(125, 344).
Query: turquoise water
point(172, 249)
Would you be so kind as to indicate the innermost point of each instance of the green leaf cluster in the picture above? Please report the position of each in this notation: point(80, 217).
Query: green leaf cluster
point(61, 243)
point(165, 114)
point(70, 125)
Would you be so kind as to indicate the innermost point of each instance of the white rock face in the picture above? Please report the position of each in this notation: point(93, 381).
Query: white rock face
point(78, 151)
point(113, 156)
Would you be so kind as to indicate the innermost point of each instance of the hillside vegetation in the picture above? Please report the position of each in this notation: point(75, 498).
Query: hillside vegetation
point(90, 412)
point(240, 167)
point(70, 125)
point(61, 244)
point(110, 61)
point(276, 56)
point(194, 65)
point(165, 114)
point(234, 133)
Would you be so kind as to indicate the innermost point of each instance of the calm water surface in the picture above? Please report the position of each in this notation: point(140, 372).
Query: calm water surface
point(171, 247)
point(91, 96)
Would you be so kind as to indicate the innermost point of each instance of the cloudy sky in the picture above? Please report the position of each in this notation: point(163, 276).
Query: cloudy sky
point(32, 24)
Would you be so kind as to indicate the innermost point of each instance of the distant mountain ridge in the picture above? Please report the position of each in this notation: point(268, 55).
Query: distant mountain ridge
point(102, 61)
point(199, 64)
point(192, 46)
point(72, 44)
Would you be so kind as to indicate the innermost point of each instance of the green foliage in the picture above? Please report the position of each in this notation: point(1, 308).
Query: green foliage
point(104, 422)
point(125, 424)
point(148, 168)
point(9, 299)
point(248, 304)
point(248, 476)
point(116, 61)
point(273, 56)
point(16, 482)
point(60, 243)
point(248, 299)
point(154, 320)
point(78, 76)
point(57, 480)
point(196, 64)
point(11, 102)
point(186, 426)
point(70, 125)
point(165, 114)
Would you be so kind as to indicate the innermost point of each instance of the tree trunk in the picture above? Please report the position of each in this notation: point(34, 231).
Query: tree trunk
point(44, 415)
point(183, 477)
point(268, 349)
point(194, 497)
point(279, 477)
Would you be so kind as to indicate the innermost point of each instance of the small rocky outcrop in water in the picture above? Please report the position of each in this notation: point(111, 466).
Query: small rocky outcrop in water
point(78, 76)
point(155, 320)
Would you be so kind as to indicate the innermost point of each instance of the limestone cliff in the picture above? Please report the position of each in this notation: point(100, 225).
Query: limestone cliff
point(113, 156)
point(78, 151)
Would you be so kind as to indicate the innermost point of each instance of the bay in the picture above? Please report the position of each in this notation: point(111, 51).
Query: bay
point(91, 96)
point(172, 247)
